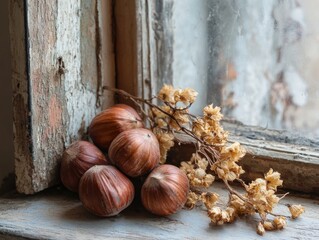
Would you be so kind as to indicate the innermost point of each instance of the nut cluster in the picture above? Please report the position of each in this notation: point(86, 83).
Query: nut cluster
point(132, 151)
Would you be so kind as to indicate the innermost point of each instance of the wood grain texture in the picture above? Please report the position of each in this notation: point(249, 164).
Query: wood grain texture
point(107, 56)
point(58, 214)
point(125, 23)
point(21, 100)
point(60, 92)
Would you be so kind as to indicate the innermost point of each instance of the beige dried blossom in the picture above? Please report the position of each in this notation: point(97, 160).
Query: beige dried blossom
point(196, 182)
point(296, 210)
point(181, 117)
point(187, 167)
point(212, 113)
point(192, 199)
point(279, 222)
point(156, 113)
point(273, 179)
point(202, 163)
point(186, 96)
point(242, 207)
point(232, 213)
point(227, 168)
point(219, 216)
point(161, 123)
point(260, 229)
point(259, 185)
point(214, 138)
point(264, 200)
point(269, 226)
point(166, 94)
point(195, 170)
point(210, 131)
point(200, 128)
point(166, 141)
point(200, 173)
point(233, 152)
point(208, 180)
point(209, 199)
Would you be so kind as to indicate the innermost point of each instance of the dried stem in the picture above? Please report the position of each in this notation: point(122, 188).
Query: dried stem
point(278, 215)
point(234, 192)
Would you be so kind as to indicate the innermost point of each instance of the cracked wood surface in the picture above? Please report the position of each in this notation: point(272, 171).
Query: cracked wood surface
point(57, 82)
point(58, 214)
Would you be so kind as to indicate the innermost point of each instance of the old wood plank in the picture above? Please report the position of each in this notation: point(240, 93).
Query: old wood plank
point(58, 214)
point(134, 45)
point(126, 48)
point(298, 164)
point(21, 100)
point(107, 55)
point(266, 134)
point(60, 92)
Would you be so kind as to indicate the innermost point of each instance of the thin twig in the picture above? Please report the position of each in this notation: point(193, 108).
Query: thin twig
point(278, 215)
point(283, 196)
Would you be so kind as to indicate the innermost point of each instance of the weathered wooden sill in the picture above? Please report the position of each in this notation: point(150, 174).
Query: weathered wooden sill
point(58, 214)
point(295, 157)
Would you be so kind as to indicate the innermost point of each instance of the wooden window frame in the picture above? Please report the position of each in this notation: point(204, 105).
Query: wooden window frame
point(126, 47)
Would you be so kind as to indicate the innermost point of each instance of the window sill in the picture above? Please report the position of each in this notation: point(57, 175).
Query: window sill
point(58, 214)
point(295, 157)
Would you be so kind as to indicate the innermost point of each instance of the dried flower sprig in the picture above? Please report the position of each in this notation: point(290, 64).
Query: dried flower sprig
point(214, 157)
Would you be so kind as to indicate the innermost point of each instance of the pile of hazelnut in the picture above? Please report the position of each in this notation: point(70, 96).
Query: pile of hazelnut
point(122, 150)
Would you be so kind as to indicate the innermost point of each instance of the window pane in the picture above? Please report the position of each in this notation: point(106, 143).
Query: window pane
point(256, 59)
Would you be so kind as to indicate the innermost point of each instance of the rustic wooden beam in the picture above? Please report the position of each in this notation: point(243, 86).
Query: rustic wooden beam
point(56, 49)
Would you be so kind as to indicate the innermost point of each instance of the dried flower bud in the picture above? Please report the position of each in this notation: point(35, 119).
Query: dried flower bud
point(186, 96)
point(260, 229)
point(192, 199)
point(279, 222)
point(273, 179)
point(209, 199)
point(202, 163)
point(219, 216)
point(208, 180)
point(296, 210)
point(212, 113)
point(200, 173)
point(232, 213)
point(166, 141)
point(269, 226)
point(166, 94)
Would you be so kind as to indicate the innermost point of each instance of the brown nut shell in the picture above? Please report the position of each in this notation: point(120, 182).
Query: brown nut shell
point(165, 190)
point(76, 160)
point(135, 152)
point(111, 122)
point(105, 191)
